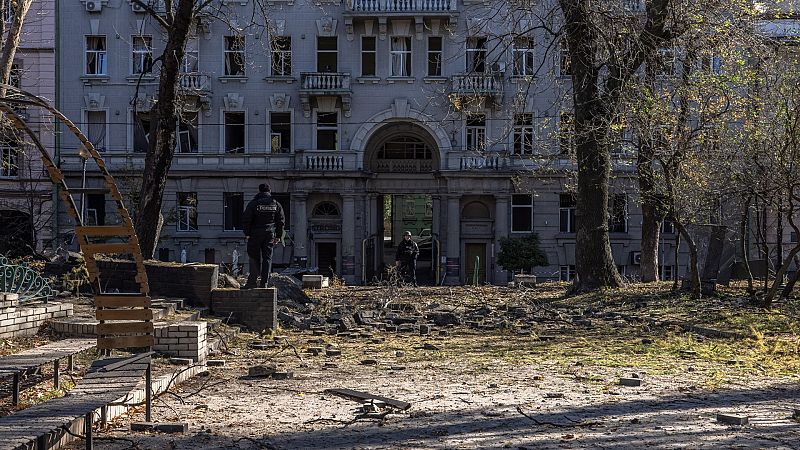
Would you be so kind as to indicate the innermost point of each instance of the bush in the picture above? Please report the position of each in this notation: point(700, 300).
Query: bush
point(521, 253)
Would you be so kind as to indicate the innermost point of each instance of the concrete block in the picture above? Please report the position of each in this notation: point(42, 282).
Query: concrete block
point(175, 427)
point(730, 419)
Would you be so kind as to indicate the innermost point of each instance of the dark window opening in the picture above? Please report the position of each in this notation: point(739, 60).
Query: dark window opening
point(327, 131)
point(521, 213)
point(280, 132)
point(327, 54)
point(234, 132)
point(567, 204)
point(368, 56)
point(95, 213)
point(233, 206)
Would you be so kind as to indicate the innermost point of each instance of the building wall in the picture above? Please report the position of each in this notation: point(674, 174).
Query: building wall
point(429, 108)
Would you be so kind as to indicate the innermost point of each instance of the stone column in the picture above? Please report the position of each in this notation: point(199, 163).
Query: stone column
point(299, 227)
point(501, 229)
point(453, 240)
point(348, 237)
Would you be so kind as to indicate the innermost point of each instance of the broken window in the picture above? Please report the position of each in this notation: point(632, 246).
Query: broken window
point(435, 56)
point(187, 132)
point(96, 126)
point(618, 217)
point(401, 56)
point(368, 56)
point(523, 134)
point(327, 130)
point(187, 211)
point(234, 56)
point(523, 54)
point(327, 54)
point(280, 132)
point(142, 54)
point(234, 132)
point(281, 56)
point(96, 61)
point(233, 205)
point(567, 204)
point(476, 132)
point(476, 54)
point(95, 213)
point(143, 128)
point(521, 213)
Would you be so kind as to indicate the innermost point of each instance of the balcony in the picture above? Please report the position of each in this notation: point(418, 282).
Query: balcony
point(487, 162)
point(194, 83)
point(401, 6)
point(323, 85)
point(324, 161)
point(403, 165)
point(436, 11)
point(474, 89)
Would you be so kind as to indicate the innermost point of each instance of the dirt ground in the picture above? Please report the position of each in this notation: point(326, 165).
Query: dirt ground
point(504, 388)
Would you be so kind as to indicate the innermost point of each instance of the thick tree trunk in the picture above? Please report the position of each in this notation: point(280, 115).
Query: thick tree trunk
point(162, 150)
point(651, 218)
point(694, 270)
point(12, 40)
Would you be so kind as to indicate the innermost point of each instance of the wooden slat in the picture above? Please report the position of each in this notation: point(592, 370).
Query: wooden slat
point(119, 248)
point(124, 314)
point(116, 301)
point(361, 396)
point(111, 230)
point(124, 342)
point(106, 329)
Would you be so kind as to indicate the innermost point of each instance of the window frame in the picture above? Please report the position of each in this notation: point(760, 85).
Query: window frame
point(230, 52)
point(186, 210)
point(566, 210)
point(373, 52)
point(473, 133)
point(405, 57)
point(224, 134)
point(613, 224)
point(523, 206)
point(85, 128)
point(101, 56)
point(336, 128)
point(142, 56)
point(335, 52)
point(568, 270)
point(523, 56)
point(435, 57)
point(270, 132)
point(473, 62)
point(520, 131)
point(280, 54)
point(10, 153)
point(225, 206)
point(179, 132)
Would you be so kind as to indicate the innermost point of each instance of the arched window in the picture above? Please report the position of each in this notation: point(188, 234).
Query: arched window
point(405, 148)
point(326, 210)
point(475, 210)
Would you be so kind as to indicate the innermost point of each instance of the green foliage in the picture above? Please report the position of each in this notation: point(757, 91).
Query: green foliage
point(521, 253)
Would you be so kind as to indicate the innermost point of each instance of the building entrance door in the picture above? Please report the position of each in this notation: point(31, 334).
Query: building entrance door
point(475, 263)
point(326, 258)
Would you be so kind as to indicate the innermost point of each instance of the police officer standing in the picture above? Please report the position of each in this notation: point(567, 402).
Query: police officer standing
point(263, 225)
point(406, 257)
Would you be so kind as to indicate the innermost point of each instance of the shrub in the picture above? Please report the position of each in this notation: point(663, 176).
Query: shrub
point(521, 253)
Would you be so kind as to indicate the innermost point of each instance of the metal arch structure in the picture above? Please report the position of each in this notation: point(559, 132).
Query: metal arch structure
point(126, 319)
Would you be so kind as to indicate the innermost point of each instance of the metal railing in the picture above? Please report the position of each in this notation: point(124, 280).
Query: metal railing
point(489, 162)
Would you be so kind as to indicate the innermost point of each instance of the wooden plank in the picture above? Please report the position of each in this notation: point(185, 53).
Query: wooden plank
point(124, 342)
point(118, 248)
point(361, 396)
point(114, 328)
point(100, 230)
point(124, 314)
point(116, 301)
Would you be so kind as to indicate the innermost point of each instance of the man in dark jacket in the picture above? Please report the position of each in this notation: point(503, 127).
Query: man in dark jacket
point(263, 225)
point(406, 258)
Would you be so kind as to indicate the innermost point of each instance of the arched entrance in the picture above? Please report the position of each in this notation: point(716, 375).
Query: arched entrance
point(402, 147)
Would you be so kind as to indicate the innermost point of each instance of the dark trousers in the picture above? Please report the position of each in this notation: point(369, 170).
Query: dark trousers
point(408, 268)
point(259, 250)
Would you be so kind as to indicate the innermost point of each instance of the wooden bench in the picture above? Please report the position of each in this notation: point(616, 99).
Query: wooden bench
point(17, 364)
point(106, 381)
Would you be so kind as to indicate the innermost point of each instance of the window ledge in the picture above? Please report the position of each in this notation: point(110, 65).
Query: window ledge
point(95, 79)
point(368, 79)
point(432, 80)
point(133, 79)
point(409, 80)
point(280, 79)
point(232, 78)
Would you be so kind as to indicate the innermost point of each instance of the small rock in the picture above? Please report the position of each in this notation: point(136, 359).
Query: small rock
point(632, 382)
point(729, 419)
point(646, 341)
point(424, 329)
point(537, 378)
point(333, 352)
point(215, 362)
point(176, 427)
point(635, 420)
point(261, 371)
point(282, 375)
point(554, 395)
point(142, 426)
point(330, 365)
point(181, 361)
point(369, 362)
point(492, 385)
point(429, 346)
point(315, 350)
point(399, 353)
point(398, 367)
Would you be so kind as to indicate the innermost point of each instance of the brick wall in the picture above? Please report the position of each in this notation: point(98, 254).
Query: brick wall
point(182, 340)
point(254, 308)
point(193, 282)
point(25, 320)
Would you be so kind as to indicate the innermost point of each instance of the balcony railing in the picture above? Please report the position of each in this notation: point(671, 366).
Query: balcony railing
point(401, 6)
point(402, 165)
point(477, 84)
point(489, 162)
point(195, 82)
point(324, 163)
point(324, 81)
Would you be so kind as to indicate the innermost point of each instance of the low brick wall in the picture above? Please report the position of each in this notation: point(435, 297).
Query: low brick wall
point(26, 320)
point(182, 340)
point(257, 309)
point(193, 282)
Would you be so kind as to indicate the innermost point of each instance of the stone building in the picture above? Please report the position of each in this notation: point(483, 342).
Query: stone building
point(26, 207)
point(367, 117)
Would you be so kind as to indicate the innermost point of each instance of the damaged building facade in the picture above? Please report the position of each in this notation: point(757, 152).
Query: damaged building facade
point(367, 117)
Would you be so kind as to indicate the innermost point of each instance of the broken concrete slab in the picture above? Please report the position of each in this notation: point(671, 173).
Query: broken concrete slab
point(631, 382)
point(261, 371)
point(362, 396)
point(215, 362)
point(172, 427)
point(731, 419)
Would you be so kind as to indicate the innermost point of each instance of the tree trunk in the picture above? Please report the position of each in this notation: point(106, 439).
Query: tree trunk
point(162, 150)
point(776, 283)
point(651, 219)
point(12, 40)
point(787, 290)
point(744, 232)
point(694, 270)
point(675, 277)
